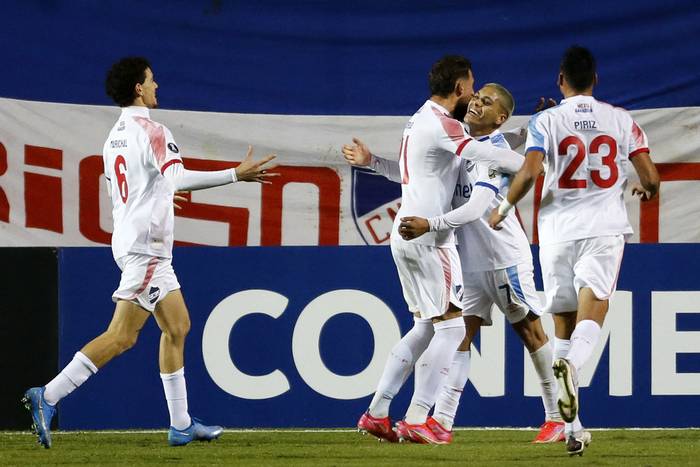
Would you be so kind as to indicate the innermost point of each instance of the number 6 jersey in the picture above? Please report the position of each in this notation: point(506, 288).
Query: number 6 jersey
point(587, 146)
point(135, 155)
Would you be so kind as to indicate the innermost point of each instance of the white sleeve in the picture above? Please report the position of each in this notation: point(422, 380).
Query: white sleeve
point(388, 168)
point(187, 180)
point(468, 212)
point(504, 160)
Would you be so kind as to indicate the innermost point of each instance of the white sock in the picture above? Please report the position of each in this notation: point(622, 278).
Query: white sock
point(583, 340)
point(73, 375)
point(176, 396)
point(448, 401)
point(434, 367)
point(400, 364)
point(573, 427)
point(542, 360)
point(561, 348)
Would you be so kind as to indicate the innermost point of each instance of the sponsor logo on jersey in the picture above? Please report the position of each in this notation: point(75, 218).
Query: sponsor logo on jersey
point(583, 108)
point(153, 294)
point(121, 126)
point(173, 148)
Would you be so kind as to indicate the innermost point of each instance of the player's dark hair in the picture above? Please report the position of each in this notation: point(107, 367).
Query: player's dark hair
point(445, 73)
point(578, 67)
point(123, 77)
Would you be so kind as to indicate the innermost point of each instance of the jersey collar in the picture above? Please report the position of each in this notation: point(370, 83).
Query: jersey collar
point(439, 107)
point(488, 137)
point(136, 111)
point(577, 99)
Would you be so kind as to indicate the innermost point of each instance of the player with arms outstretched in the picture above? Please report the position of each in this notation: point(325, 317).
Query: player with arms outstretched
point(143, 170)
point(584, 147)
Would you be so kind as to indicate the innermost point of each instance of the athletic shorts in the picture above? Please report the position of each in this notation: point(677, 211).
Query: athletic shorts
point(511, 289)
point(146, 280)
point(567, 267)
point(431, 277)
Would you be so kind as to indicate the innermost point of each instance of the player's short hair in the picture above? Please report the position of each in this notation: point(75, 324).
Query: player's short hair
point(578, 67)
point(505, 98)
point(445, 73)
point(122, 78)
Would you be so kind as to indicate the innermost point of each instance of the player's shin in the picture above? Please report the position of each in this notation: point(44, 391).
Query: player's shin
point(542, 361)
point(399, 365)
point(433, 368)
point(176, 397)
point(73, 375)
point(583, 341)
point(448, 401)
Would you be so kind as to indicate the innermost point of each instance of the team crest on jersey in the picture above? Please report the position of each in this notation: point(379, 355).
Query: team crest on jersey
point(153, 294)
point(375, 202)
point(493, 173)
point(173, 148)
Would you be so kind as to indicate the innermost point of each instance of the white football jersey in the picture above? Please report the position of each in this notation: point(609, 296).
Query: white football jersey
point(429, 168)
point(135, 155)
point(480, 247)
point(587, 146)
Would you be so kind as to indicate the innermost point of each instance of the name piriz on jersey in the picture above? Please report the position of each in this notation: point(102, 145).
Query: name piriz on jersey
point(586, 125)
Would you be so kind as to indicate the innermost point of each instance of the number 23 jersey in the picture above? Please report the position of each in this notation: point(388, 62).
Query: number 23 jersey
point(587, 146)
point(135, 155)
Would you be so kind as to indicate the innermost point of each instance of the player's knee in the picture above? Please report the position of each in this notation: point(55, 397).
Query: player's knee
point(178, 330)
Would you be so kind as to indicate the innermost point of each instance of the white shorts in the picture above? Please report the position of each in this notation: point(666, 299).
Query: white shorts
point(567, 267)
point(431, 277)
point(146, 280)
point(512, 290)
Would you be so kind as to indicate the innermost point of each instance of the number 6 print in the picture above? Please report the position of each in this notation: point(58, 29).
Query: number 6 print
point(120, 172)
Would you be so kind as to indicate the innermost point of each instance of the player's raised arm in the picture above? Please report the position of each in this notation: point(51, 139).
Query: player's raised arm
point(359, 155)
point(248, 171)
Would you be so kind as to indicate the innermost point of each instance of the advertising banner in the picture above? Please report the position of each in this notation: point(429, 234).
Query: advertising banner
point(297, 337)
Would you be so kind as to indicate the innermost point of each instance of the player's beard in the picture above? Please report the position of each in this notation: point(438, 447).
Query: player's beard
point(460, 111)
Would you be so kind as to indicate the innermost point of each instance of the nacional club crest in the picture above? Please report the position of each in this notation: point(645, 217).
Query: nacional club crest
point(375, 202)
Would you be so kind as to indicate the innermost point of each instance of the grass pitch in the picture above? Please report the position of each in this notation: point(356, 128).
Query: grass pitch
point(345, 447)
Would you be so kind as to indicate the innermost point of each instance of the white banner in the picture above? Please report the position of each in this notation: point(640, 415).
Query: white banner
point(52, 192)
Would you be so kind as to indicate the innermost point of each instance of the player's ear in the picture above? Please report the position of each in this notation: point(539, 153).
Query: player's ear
point(560, 79)
point(459, 88)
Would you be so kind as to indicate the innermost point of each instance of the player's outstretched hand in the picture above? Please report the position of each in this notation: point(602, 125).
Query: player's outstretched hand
point(638, 190)
point(357, 154)
point(413, 227)
point(180, 197)
point(495, 219)
point(545, 104)
point(255, 171)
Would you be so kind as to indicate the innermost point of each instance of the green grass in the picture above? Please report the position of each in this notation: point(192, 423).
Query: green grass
point(470, 447)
